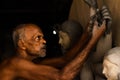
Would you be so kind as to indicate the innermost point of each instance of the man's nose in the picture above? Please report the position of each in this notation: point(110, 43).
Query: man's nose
point(44, 41)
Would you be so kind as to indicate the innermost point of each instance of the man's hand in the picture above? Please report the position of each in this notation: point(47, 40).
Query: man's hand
point(97, 28)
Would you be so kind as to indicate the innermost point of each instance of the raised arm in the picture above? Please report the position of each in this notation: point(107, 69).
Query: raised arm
point(74, 67)
point(62, 61)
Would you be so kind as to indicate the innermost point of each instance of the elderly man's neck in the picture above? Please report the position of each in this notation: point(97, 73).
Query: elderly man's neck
point(22, 54)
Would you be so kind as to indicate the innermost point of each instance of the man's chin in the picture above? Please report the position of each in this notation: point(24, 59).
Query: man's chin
point(42, 55)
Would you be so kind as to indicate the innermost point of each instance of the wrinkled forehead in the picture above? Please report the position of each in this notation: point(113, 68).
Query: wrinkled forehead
point(31, 31)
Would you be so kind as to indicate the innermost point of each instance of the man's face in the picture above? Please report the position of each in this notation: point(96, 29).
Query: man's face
point(34, 42)
point(64, 40)
point(110, 70)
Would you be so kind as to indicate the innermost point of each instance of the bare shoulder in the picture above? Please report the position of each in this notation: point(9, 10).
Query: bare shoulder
point(19, 67)
point(27, 69)
point(20, 63)
point(28, 65)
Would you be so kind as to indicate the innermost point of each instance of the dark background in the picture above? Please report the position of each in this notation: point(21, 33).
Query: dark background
point(44, 13)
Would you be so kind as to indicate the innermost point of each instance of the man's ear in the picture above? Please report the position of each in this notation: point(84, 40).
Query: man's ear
point(21, 44)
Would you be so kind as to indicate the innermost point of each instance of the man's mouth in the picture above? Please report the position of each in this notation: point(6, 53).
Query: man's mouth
point(43, 54)
point(44, 48)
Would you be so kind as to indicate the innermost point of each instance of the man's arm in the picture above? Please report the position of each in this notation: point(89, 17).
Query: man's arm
point(74, 67)
point(62, 61)
point(24, 69)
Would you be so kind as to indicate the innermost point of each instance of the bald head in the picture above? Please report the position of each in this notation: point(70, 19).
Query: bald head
point(19, 31)
point(28, 38)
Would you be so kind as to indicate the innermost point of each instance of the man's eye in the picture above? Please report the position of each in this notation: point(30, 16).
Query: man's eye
point(37, 38)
